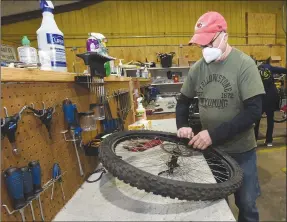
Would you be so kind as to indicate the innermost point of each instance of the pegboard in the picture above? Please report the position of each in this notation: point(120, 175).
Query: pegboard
point(33, 140)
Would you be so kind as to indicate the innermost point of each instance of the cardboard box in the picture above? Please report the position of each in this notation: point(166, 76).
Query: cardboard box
point(141, 125)
point(276, 61)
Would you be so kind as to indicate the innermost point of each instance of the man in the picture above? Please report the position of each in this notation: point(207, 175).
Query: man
point(229, 89)
point(270, 101)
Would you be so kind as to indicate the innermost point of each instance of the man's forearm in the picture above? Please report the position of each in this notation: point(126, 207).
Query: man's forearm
point(279, 70)
point(182, 111)
point(251, 114)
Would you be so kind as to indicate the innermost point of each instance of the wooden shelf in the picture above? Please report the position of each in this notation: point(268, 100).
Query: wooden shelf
point(167, 83)
point(160, 68)
point(117, 79)
point(34, 75)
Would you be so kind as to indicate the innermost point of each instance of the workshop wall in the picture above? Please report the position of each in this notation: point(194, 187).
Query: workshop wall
point(34, 143)
point(148, 26)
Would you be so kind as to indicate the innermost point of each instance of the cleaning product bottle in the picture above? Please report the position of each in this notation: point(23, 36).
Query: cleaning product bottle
point(26, 53)
point(145, 72)
point(120, 67)
point(52, 53)
point(93, 44)
point(140, 111)
point(138, 74)
point(107, 68)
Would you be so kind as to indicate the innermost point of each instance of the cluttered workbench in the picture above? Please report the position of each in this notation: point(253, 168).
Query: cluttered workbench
point(112, 200)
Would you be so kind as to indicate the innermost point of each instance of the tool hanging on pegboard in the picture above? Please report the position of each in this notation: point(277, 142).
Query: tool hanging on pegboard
point(14, 182)
point(37, 187)
point(24, 185)
point(74, 129)
point(57, 176)
point(9, 125)
point(123, 105)
point(45, 115)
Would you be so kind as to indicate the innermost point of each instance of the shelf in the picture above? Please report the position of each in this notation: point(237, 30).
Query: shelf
point(160, 68)
point(113, 78)
point(159, 84)
point(34, 75)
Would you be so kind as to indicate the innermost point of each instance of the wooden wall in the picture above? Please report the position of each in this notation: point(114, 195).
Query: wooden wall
point(138, 29)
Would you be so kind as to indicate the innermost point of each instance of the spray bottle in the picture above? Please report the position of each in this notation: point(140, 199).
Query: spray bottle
point(26, 53)
point(145, 72)
point(52, 53)
point(140, 111)
point(120, 67)
point(92, 43)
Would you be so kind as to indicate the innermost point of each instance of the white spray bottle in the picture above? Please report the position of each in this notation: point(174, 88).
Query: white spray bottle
point(52, 55)
point(140, 111)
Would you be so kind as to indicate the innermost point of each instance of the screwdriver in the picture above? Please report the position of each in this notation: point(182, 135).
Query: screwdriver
point(15, 185)
point(36, 177)
point(57, 175)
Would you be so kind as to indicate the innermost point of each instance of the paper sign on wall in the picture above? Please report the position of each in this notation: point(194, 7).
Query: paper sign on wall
point(8, 53)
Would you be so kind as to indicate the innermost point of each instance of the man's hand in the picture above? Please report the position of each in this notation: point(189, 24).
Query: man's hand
point(185, 132)
point(201, 141)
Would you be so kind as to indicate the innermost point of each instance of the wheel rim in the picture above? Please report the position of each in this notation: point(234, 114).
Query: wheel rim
point(172, 160)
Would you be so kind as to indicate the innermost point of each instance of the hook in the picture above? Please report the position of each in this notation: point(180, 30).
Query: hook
point(21, 111)
point(9, 212)
point(6, 112)
point(43, 111)
point(54, 109)
point(43, 106)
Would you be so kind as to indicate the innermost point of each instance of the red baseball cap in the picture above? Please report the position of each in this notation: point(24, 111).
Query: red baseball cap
point(206, 27)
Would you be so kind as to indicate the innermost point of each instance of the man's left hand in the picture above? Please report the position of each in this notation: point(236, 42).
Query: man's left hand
point(201, 141)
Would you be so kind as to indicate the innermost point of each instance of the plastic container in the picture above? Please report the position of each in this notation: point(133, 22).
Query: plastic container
point(99, 112)
point(140, 111)
point(145, 72)
point(27, 54)
point(52, 54)
point(93, 44)
point(166, 59)
point(88, 121)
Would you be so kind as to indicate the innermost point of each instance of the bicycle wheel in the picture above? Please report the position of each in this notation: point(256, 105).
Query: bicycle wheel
point(280, 116)
point(160, 163)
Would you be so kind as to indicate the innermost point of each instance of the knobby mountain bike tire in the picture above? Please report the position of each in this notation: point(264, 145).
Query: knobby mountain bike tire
point(163, 186)
point(279, 117)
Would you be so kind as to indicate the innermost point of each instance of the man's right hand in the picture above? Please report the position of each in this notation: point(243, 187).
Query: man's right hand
point(185, 132)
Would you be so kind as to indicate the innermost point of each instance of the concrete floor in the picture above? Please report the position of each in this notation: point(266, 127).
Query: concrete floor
point(271, 161)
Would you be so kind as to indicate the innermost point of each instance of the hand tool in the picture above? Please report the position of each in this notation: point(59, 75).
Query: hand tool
point(14, 181)
point(28, 187)
point(45, 115)
point(36, 177)
point(71, 118)
point(57, 176)
point(9, 127)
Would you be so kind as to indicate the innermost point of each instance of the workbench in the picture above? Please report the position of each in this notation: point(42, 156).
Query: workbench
point(112, 200)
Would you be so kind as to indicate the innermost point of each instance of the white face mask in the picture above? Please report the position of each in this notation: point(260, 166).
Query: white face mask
point(212, 54)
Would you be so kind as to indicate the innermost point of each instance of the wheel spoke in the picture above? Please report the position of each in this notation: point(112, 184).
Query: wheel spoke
point(190, 165)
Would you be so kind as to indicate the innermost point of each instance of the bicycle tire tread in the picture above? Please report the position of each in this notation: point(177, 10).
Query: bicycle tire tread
point(163, 186)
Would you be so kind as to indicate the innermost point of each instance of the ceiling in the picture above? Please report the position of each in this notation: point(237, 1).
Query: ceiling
point(12, 7)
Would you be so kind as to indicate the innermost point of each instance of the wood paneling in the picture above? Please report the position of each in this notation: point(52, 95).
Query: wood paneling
point(261, 28)
point(147, 24)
